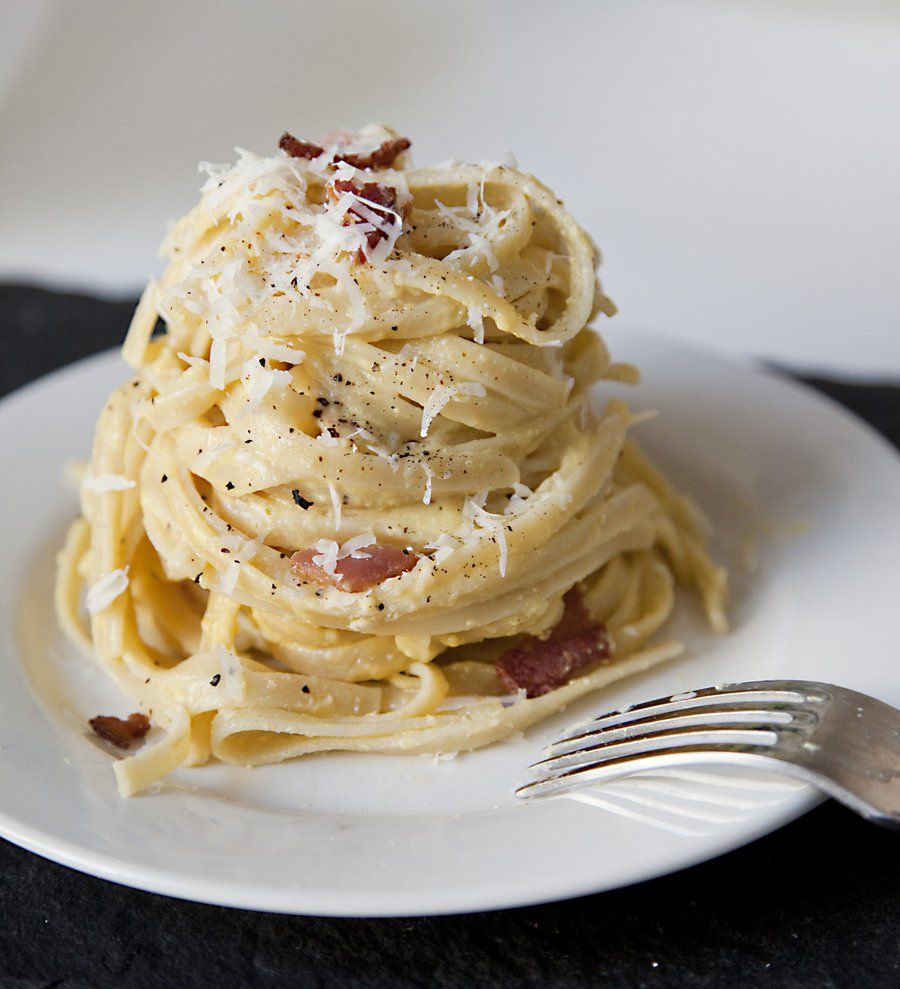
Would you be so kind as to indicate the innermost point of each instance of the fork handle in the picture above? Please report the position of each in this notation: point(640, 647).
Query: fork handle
point(855, 757)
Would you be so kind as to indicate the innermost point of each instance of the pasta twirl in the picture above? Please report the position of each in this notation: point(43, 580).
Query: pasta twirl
point(361, 464)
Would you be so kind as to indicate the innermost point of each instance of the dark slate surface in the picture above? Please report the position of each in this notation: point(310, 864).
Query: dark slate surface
point(815, 905)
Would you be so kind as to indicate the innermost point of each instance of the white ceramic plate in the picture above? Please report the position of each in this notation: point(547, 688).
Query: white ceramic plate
point(804, 500)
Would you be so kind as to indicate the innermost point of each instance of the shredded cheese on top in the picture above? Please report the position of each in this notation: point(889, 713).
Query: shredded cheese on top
point(495, 525)
point(99, 483)
point(102, 594)
point(335, 506)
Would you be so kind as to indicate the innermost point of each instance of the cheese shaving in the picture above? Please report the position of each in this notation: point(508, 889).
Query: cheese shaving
point(433, 406)
point(102, 594)
point(218, 356)
point(354, 546)
point(443, 546)
point(493, 524)
point(258, 380)
point(326, 555)
point(99, 483)
point(475, 320)
point(519, 500)
point(429, 476)
point(266, 347)
point(228, 580)
point(335, 506)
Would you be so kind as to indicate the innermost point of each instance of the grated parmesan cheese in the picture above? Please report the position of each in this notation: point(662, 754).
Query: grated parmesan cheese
point(99, 483)
point(377, 448)
point(335, 506)
point(443, 757)
point(218, 357)
point(266, 347)
point(479, 242)
point(326, 555)
point(433, 406)
point(475, 319)
point(429, 476)
point(328, 552)
point(521, 494)
point(102, 594)
point(443, 546)
point(495, 525)
point(354, 546)
point(258, 381)
point(246, 554)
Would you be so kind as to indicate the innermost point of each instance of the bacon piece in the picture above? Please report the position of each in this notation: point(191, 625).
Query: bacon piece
point(382, 197)
point(538, 665)
point(373, 192)
point(351, 574)
point(299, 149)
point(574, 617)
point(119, 732)
point(382, 157)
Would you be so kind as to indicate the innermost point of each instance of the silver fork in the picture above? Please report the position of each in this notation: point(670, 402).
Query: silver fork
point(843, 742)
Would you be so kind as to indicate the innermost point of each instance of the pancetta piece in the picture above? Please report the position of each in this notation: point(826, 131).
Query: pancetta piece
point(537, 666)
point(382, 157)
point(299, 149)
point(372, 566)
point(118, 731)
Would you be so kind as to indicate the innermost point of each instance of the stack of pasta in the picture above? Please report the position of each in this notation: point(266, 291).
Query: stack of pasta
point(358, 494)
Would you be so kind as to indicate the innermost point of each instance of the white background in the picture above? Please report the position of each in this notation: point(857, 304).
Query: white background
point(737, 160)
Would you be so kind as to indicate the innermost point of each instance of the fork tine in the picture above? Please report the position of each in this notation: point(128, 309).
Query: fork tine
point(690, 718)
point(739, 694)
point(618, 758)
point(664, 738)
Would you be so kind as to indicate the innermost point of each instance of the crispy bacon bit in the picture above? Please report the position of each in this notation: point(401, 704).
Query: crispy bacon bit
point(382, 197)
point(353, 575)
point(538, 665)
point(299, 149)
point(119, 732)
point(382, 157)
point(374, 193)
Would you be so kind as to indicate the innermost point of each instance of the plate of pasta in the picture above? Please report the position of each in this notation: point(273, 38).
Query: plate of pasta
point(377, 503)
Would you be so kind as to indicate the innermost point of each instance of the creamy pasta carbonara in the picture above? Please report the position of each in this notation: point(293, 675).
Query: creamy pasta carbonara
point(357, 495)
